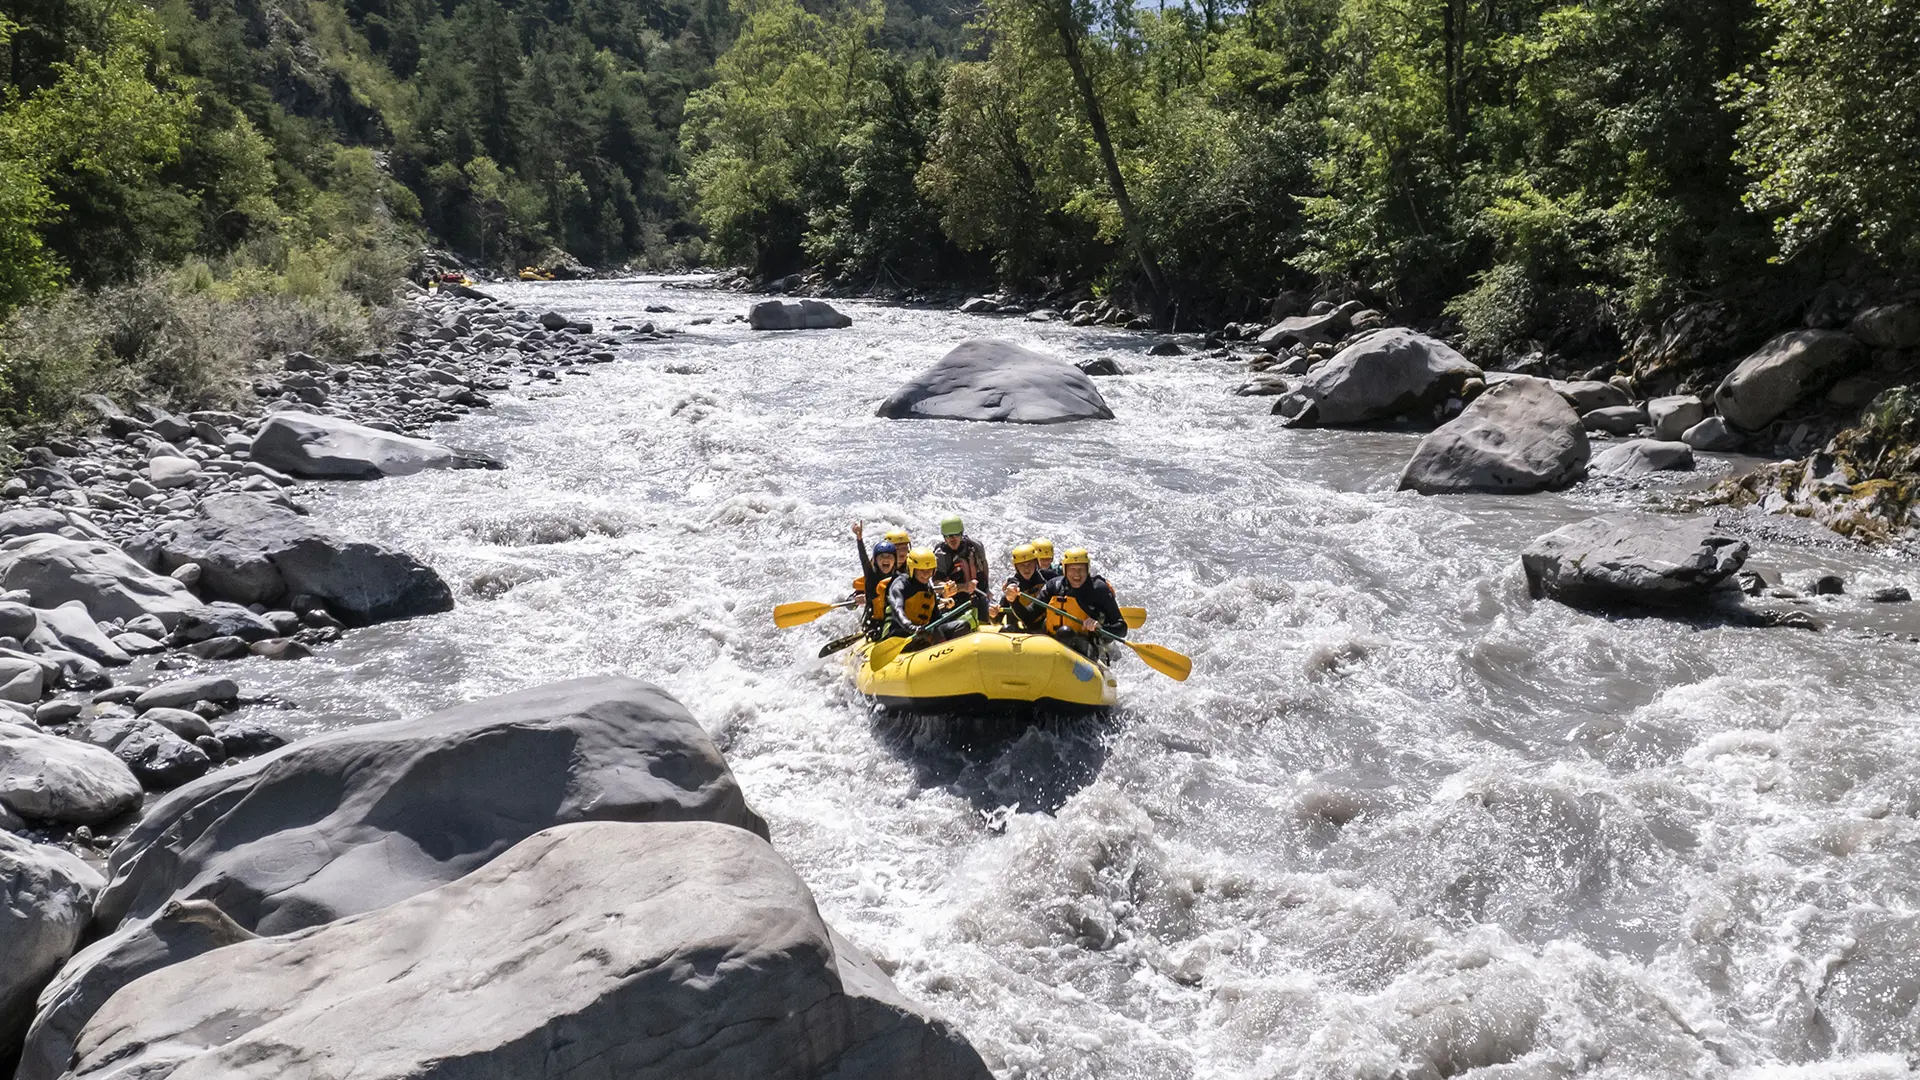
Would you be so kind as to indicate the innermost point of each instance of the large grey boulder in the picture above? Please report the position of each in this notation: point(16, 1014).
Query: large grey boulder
point(252, 551)
point(159, 758)
point(796, 315)
point(1586, 395)
point(56, 570)
point(415, 803)
point(1642, 457)
point(1782, 372)
point(1891, 326)
point(1519, 436)
point(1671, 416)
point(673, 951)
point(313, 447)
point(1620, 559)
point(989, 379)
point(1325, 328)
point(46, 895)
point(47, 778)
point(1383, 376)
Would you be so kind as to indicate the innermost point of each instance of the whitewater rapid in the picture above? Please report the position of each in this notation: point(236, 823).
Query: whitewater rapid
point(1402, 822)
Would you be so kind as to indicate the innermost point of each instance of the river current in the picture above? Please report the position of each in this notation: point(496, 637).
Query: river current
point(1403, 821)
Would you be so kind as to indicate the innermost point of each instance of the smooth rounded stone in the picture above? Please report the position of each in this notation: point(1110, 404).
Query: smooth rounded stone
point(17, 620)
point(1587, 395)
point(71, 627)
point(221, 619)
point(1891, 326)
point(1780, 373)
point(253, 551)
point(59, 711)
point(1165, 348)
point(585, 749)
point(146, 624)
point(55, 570)
point(160, 759)
point(796, 315)
point(992, 380)
point(219, 648)
point(1829, 585)
point(247, 738)
point(1100, 366)
point(1615, 419)
point(1672, 415)
point(1519, 436)
point(314, 447)
point(281, 648)
point(14, 488)
point(1642, 457)
point(141, 489)
point(137, 644)
point(46, 897)
point(26, 522)
point(47, 778)
point(1892, 594)
point(1622, 559)
point(187, 725)
point(187, 574)
point(22, 680)
point(1382, 376)
point(667, 950)
point(172, 472)
point(286, 622)
point(117, 695)
point(1713, 434)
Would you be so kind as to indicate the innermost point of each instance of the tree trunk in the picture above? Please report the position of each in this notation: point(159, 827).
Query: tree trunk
point(1064, 24)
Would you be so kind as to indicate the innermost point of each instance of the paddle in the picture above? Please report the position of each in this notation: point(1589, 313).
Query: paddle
point(1134, 617)
point(837, 644)
point(1175, 666)
point(802, 612)
point(886, 651)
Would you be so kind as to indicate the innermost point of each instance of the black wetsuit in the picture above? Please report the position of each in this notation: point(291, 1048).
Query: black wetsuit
point(1026, 615)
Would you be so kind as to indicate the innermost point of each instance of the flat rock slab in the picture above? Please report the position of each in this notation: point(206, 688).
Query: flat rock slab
point(1383, 376)
point(992, 380)
point(646, 952)
point(47, 778)
point(796, 315)
point(313, 447)
point(1627, 560)
point(1519, 436)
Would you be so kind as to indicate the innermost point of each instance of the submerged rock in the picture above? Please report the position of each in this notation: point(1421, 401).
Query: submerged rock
point(1519, 436)
point(669, 951)
point(45, 898)
point(796, 315)
point(1630, 560)
point(988, 379)
point(1385, 375)
point(312, 447)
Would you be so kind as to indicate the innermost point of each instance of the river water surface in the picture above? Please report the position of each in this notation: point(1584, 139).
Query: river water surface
point(1402, 821)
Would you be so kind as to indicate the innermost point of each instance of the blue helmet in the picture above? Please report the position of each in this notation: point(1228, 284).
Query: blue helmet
point(885, 547)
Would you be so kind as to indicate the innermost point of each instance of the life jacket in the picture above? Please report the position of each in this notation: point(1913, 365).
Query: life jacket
point(877, 596)
point(912, 601)
point(1068, 604)
point(1099, 605)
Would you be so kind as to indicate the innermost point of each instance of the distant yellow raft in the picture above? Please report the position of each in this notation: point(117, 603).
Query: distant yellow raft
point(988, 669)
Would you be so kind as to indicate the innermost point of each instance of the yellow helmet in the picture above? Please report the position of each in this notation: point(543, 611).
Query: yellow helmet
point(899, 538)
point(1023, 553)
point(1043, 550)
point(921, 559)
point(1075, 557)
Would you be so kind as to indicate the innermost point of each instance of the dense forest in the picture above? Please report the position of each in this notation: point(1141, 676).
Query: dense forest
point(1668, 177)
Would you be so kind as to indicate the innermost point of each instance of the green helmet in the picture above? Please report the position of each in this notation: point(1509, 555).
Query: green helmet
point(951, 526)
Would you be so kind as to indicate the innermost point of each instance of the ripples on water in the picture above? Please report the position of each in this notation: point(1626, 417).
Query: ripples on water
point(1402, 822)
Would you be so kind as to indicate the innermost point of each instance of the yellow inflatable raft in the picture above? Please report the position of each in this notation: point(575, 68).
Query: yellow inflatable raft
point(989, 669)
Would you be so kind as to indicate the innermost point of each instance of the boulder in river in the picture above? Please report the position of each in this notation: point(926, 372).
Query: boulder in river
point(252, 551)
point(47, 778)
point(1671, 416)
point(1891, 326)
point(1642, 457)
point(1384, 375)
point(313, 447)
point(796, 315)
point(46, 896)
point(1632, 560)
point(1615, 419)
point(71, 627)
point(1781, 372)
point(1713, 434)
point(56, 570)
point(669, 951)
point(160, 759)
point(1519, 436)
point(989, 379)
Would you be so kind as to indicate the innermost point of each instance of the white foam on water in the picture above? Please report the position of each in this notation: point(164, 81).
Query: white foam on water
point(1403, 821)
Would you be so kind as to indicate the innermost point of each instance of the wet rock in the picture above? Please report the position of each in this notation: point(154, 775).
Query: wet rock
point(219, 648)
point(313, 447)
point(1829, 585)
point(1166, 348)
point(56, 570)
point(1384, 375)
point(280, 648)
point(1100, 366)
point(224, 620)
point(1642, 457)
point(188, 725)
point(1631, 560)
point(252, 551)
point(796, 315)
point(247, 738)
point(46, 896)
point(676, 950)
point(1614, 419)
point(1519, 436)
point(47, 778)
point(1671, 416)
point(988, 379)
point(1782, 372)
point(1893, 594)
point(159, 759)
point(1713, 434)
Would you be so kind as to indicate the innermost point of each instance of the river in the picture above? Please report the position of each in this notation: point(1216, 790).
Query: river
point(1403, 821)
